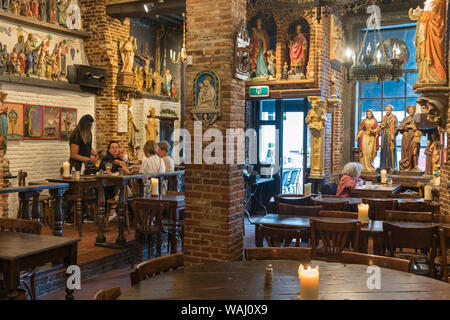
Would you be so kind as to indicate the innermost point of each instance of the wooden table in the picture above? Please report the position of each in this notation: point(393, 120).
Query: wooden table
point(173, 203)
point(377, 191)
point(244, 280)
point(22, 251)
point(34, 191)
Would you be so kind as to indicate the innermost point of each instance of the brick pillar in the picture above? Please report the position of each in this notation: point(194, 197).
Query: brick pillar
point(214, 193)
point(102, 50)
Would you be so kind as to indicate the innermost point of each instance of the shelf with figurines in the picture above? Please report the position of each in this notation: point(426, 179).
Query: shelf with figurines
point(54, 15)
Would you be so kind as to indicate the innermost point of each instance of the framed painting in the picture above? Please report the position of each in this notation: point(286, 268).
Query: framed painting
point(68, 122)
point(52, 117)
point(14, 117)
point(33, 119)
point(206, 97)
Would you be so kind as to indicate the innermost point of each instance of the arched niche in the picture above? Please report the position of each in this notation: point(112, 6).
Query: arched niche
point(292, 39)
point(269, 33)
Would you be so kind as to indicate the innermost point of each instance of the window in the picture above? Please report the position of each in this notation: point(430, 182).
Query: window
point(375, 96)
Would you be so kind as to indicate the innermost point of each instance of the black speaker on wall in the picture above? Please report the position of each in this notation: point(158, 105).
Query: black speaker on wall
point(89, 78)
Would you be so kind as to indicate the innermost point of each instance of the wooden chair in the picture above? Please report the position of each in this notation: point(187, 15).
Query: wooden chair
point(108, 294)
point(307, 211)
point(281, 237)
point(378, 206)
point(441, 218)
point(153, 267)
point(408, 216)
point(300, 254)
point(148, 222)
point(335, 205)
point(444, 260)
point(338, 214)
point(335, 237)
point(293, 199)
point(381, 261)
point(423, 238)
point(23, 226)
point(416, 206)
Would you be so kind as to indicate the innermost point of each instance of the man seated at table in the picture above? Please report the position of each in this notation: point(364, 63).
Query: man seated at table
point(350, 179)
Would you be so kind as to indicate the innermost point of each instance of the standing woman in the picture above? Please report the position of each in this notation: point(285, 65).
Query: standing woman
point(81, 143)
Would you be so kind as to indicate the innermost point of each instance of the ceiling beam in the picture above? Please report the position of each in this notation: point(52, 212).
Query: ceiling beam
point(135, 8)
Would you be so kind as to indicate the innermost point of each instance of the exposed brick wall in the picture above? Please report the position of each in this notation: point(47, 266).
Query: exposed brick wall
point(102, 50)
point(214, 193)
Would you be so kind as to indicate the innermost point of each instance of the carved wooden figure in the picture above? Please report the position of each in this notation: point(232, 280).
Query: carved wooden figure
point(316, 123)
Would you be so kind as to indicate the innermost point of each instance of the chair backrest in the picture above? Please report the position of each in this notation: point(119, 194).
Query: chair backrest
point(307, 211)
point(279, 237)
point(294, 175)
point(174, 193)
point(340, 205)
point(378, 206)
point(300, 254)
point(21, 177)
point(408, 216)
point(338, 214)
point(108, 294)
point(335, 237)
point(397, 236)
point(417, 206)
point(20, 225)
point(149, 219)
point(295, 199)
point(381, 261)
point(153, 267)
point(444, 235)
point(329, 189)
point(441, 218)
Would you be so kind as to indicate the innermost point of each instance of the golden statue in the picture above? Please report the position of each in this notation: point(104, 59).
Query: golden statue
point(429, 41)
point(316, 123)
point(127, 53)
point(158, 81)
point(139, 78)
point(151, 126)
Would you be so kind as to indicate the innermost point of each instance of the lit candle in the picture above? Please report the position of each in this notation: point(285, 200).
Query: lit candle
point(309, 283)
point(428, 193)
point(155, 187)
point(383, 176)
point(66, 170)
point(363, 213)
point(307, 191)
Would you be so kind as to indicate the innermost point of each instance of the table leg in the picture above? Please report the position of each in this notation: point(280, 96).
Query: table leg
point(363, 242)
point(121, 214)
point(70, 259)
point(78, 214)
point(36, 211)
point(378, 245)
point(101, 214)
point(57, 195)
point(12, 277)
point(25, 199)
point(174, 241)
point(258, 238)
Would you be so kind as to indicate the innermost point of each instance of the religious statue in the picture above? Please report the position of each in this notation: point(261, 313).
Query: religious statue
point(260, 45)
point(298, 51)
point(173, 90)
point(408, 128)
point(388, 144)
point(157, 80)
point(21, 63)
point(48, 66)
point(167, 82)
point(60, 53)
point(26, 9)
point(40, 64)
point(14, 7)
point(35, 8)
point(285, 75)
point(429, 41)
point(132, 130)
point(149, 81)
point(368, 137)
point(139, 78)
point(67, 122)
point(61, 12)
point(13, 62)
point(30, 54)
point(4, 57)
point(3, 122)
point(161, 35)
point(151, 127)
point(43, 10)
point(73, 16)
point(127, 54)
point(271, 64)
point(316, 123)
point(337, 44)
point(12, 120)
point(52, 11)
point(5, 4)
point(207, 94)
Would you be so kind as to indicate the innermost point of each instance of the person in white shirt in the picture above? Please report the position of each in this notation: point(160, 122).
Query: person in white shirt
point(152, 163)
point(163, 153)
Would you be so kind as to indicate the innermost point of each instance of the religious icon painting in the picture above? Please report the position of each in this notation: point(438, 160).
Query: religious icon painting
point(14, 116)
point(33, 117)
point(51, 123)
point(68, 122)
point(206, 95)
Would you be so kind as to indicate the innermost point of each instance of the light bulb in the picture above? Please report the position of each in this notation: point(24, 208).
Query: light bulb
point(368, 50)
point(146, 8)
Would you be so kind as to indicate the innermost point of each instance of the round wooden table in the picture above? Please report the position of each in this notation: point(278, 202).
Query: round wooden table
point(244, 280)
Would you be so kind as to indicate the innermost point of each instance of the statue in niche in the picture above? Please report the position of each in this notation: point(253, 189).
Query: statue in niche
point(410, 147)
point(139, 78)
point(368, 137)
point(151, 128)
point(158, 81)
point(15, 7)
point(388, 144)
point(127, 50)
point(43, 10)
point(298, 51)
point(207, 94)
point(161, 35)
point(73, 16)
point(167, 77)
point(3, 122)
point(35, 8)
point(316, 123)
point(429, 41)
point(132, 130)
point(52, 11)
point(61, 12)
point(271, 64)
point(260, 45)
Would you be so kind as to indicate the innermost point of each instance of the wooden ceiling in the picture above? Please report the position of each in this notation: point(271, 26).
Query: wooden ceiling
point(135, 8)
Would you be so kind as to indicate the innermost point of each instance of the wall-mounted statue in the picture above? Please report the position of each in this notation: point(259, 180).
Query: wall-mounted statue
point(52, 11)
point(61, 12)
point(260, 45)
point(35, 8)
point(298, 51)
point(13, 62)
point(161, 35)
point(43, 14)
point(337, 43)
point(21, 62)
point(4, 58)
point(5, 4)
point(30, 54)
point(73, 16)
point(316, 123)
point(410, 147)
point(139, 78)
point(388, 144)
point(127, 50)
point(157, 83)
point(242, 52)
point(167, 77)
point(151, 128)
point(149, 81)
point(271, 64)
point(430, 41)
point(432, 146)
point(14, 7)
point(26, 9)
point(368, 138)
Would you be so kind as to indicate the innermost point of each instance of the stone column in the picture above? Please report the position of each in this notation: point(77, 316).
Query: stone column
point(214, 192)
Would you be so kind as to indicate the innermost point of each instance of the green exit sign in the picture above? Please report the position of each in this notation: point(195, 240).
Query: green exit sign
point(261, 91)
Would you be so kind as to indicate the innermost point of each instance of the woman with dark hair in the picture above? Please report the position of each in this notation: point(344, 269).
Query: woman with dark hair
point(113, 155)
point(81, 143)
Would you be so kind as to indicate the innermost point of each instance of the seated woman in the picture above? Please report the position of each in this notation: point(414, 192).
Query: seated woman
point(114, 155)
point(350, 179)
point(152, 163)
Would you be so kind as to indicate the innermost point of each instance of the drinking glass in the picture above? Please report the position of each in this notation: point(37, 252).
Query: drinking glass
point(108, 166)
